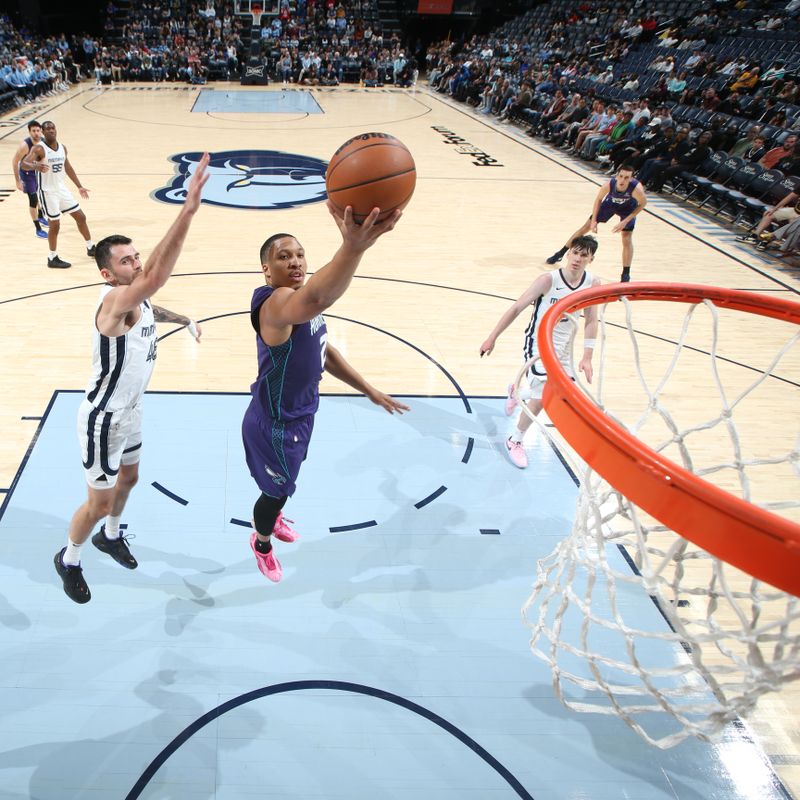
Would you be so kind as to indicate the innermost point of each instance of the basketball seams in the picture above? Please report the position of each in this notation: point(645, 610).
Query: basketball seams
point(344, 158)
point(372, 181)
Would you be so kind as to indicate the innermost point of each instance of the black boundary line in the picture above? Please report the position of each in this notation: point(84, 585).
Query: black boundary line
point(168, 493)
point(430, 498)
point(355, 527)
point(30, 418)
point(468, 451)
point(242, 523)
point(28, 452)
point(409, 95)
point(341, 686)
point(591, 180)
point(489, 531)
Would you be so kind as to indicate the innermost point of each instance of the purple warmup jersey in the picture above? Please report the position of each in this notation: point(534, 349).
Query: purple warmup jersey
point(620, 199)
point(287, 387)
point(28, 176)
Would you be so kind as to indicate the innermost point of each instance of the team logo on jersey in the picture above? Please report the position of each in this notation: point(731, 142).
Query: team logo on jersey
point(250, 179)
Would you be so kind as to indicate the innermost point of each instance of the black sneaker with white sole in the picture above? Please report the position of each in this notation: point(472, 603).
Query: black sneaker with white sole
point(116, 548)
point(75, 586)
point(57, 263)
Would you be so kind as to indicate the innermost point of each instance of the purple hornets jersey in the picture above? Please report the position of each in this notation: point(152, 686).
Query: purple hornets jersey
point(287, 387)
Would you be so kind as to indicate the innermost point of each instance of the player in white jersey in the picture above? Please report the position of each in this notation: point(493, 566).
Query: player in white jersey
point(546, 290)
point(109, 419)
point(49, 159)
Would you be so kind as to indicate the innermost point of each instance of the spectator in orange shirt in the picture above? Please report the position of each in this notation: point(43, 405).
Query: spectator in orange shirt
point(785, 150)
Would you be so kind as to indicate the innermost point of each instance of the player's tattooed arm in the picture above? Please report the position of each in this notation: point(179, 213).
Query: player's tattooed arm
point(165, 315)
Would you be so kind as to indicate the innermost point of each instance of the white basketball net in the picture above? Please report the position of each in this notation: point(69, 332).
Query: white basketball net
point(632, 619)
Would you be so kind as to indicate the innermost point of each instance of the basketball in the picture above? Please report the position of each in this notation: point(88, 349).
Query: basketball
point(372, 170)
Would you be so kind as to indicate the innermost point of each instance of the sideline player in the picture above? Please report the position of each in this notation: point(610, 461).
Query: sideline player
point(110, 416)
point(26, 179)
point(622, 196)
point(293, 351)
point(49, 159)
point(546, 290)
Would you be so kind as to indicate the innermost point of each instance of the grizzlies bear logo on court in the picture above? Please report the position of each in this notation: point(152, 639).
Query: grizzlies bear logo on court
point(250, 179)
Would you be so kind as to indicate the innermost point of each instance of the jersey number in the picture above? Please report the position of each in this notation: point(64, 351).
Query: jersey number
point(151, 356)
point(57, 168)
point(323, 347)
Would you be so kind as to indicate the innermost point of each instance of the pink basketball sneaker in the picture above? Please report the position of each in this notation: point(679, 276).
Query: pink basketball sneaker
point(268, 564)
point(282, 531)
point(511, 399)
point(517, 454)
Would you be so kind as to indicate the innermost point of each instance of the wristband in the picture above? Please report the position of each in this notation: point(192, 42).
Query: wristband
point(192, 328)
point(588, 344)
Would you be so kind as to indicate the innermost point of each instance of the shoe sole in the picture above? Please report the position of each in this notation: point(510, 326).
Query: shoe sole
point(112, 556)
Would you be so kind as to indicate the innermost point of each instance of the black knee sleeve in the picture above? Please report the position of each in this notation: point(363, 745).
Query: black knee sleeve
point(265, 513)
point(33, 199)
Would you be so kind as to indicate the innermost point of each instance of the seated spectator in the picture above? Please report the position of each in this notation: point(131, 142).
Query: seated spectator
point(631, 83)
point(522, 99)
point(676, 85)
point(790, 163)
point(756, 151)
point(711, 99)
point(664, 156)
point(691, 160)
point(787, 210)
point(782, 151)
point(747, 81)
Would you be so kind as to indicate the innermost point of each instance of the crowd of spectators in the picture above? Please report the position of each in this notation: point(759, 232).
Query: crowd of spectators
point(31, 67)
point(603, 101)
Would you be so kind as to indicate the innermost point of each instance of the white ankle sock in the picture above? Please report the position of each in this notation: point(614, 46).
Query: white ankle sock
point(517, 436)
point(112, 527)
point(53, 254)
point(72, 555)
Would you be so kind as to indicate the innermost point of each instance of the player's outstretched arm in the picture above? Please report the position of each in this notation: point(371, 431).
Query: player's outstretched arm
point(336, 365)
point(161, 314)
point(162, 260)
point(529, 296)
point(330, 282)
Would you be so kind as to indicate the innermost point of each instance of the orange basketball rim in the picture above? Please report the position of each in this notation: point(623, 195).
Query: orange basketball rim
point(752, 539)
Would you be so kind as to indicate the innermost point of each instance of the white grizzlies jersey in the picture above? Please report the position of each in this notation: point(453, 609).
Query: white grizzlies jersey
point(122, 365)
point(53, 179)
point(559, 288)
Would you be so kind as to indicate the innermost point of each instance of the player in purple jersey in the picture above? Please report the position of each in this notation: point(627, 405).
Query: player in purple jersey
point(26, 179)
point(622, 196)
point(293, 352)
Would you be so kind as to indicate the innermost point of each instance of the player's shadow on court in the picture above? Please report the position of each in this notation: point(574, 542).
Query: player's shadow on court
point(109, 766)
point(12, 617)
point(618, 746)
